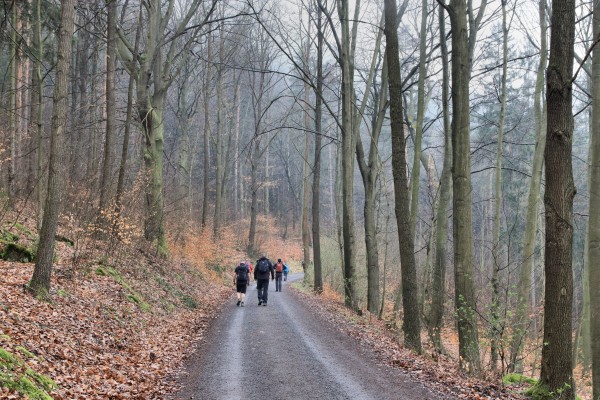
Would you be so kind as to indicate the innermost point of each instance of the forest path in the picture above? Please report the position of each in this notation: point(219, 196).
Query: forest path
point(285, 351)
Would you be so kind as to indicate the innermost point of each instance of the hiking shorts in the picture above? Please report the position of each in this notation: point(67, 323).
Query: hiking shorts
point(241, 287)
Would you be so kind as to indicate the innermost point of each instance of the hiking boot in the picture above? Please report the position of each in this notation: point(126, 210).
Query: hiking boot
point(260, 302)
point(265, 304)
point(238, 303)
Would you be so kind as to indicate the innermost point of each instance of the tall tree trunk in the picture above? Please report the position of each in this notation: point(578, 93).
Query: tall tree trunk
point(40, 281)
point(14, 51)
point(411, 324)
point(237, 185)
point(582, 340)
point(306, 172)
point(520, 321)
point(111, 67)
point(370, 172)
point(594, 211)
point(462, 200)
point(254, 197)
point(128, 121)
point(151, 115)
point(316, 190)
point(219, 139)
point(26, 66)
point(37, 111)
point(438, 286)
point(495, 306)
point(421, 105)
point(557, 368)
point(348, 147)
point(254, 165)
point(206, 136)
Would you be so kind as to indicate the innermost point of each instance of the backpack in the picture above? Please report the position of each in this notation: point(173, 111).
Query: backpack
point(263, 265)
point(242, 273)
point(279, 267)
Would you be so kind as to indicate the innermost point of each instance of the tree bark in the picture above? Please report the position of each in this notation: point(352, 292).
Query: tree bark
point(466, 309)
point(219, 155)
point(415, 180)
point(496, 251)
point(348, 148)
point(206, 136)
point(12, 168)
point(411, 324)
point(111, 67)
point(128, 121)
point(557, 369)
point(37, 108)
point(593, 273)
point(438, 286)
point(40, 281)
point(520, 321)
point(316, 191)
point(306, 167)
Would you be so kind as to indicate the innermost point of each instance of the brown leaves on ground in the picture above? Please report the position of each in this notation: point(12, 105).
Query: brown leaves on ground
point(441, 374)
point(93, 340)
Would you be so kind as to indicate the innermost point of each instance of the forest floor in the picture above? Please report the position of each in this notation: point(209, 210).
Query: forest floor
point(95, 341)
point(122, 325)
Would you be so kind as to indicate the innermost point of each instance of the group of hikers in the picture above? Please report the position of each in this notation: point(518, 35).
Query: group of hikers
point(262, 270)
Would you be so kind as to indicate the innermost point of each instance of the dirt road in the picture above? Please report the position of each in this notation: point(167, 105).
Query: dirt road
point(285, 351)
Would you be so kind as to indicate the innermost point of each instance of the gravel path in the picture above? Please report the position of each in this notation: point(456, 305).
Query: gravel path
point(284, 351)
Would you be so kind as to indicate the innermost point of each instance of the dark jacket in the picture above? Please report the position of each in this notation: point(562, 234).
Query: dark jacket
point(264, 275)
point(242, 273)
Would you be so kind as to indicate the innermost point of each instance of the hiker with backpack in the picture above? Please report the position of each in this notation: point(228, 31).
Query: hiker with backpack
point(278, 274)
point(240, 280)
point(286, 271)
point(262, 269)
point(250, 268)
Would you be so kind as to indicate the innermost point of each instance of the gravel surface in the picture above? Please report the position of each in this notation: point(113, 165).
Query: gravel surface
point(285, 351)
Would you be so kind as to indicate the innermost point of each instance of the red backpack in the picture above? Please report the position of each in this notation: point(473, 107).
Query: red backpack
point(279, 267)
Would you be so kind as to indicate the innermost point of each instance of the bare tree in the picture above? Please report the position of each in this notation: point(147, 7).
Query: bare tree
point(167, 39)
point(40, 281)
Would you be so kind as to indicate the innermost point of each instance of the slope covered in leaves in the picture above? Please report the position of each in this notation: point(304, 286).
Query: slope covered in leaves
point(108, 331)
